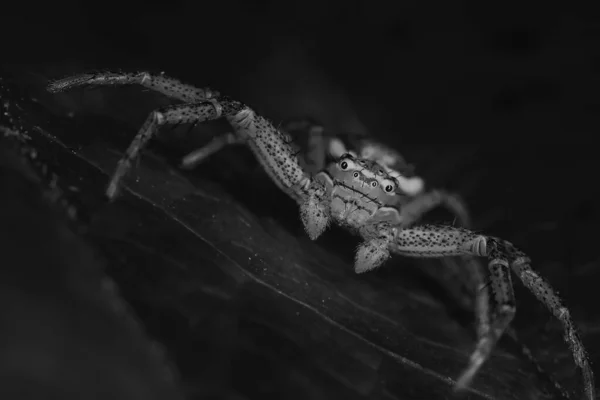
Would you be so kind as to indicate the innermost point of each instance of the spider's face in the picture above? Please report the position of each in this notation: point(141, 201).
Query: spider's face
point(363, 181)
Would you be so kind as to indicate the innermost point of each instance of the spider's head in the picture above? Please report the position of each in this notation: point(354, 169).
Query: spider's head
point(365, 179)
point(407, 183)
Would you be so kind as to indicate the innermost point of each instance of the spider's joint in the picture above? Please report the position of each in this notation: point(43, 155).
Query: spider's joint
point(563, 312)
point(145, 77)
point(305, 184)
point(477, 246)
point(521, 261)
point(507, 309)
point(244, 118)
point(159, 117)
point(217, 106)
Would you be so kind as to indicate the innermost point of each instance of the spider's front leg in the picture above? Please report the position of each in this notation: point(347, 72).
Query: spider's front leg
point(160, 83)
point(443, 241)
point(270, 146)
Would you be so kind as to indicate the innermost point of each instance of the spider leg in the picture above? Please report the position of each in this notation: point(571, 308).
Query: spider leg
point(269, 145)
point(168, 86)
point(463, 276)
point(454, 274)
point(217, 143)
point(441, 241)
point(315, 155)
point(184, 113)
point(422, 203)
point(491, 331)
point(313, 159)
point(544, 292)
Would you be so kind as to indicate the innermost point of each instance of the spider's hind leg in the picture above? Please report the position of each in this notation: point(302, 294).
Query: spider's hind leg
point(192, 159)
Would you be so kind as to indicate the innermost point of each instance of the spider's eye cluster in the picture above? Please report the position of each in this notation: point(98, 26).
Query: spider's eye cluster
point(355, 174)
point(374, 184)
point(344, 165)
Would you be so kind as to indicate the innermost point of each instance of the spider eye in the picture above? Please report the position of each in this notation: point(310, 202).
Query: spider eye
point(374, 184)
point(389, 188)
point(344, 165)
point(355, 174)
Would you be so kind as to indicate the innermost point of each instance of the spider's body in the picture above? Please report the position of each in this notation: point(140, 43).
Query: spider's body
point(371, 192)
point(359, 192)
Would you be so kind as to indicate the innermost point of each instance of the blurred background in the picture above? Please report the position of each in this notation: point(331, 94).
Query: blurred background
point(496, 102)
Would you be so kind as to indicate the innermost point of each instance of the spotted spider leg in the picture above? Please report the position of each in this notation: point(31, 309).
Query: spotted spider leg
point(311, 159)
point(463, 276)
point(270, 146)
point(443, 241)
point(168, 86)
point(466, 272)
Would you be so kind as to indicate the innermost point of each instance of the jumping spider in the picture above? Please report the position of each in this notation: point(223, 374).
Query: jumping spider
point(368, 192)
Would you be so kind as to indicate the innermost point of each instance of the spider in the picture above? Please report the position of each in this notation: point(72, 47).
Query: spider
point(370, 192)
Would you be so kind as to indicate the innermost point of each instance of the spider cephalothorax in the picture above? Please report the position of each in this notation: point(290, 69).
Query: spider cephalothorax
point(367, 194)
point(360, 192)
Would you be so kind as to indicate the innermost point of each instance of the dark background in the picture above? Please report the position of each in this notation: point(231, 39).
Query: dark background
point(496, 103)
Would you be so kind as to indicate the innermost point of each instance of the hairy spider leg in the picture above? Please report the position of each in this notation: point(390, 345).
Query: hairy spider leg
point(195, 157)
point(170, 87)
point(267, 143)
point(166, 85)
point(271, 146)
point(443, 241)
